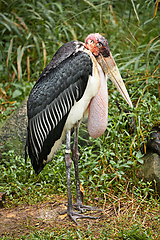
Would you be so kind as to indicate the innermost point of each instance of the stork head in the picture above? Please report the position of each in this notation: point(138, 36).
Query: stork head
point(99, 47)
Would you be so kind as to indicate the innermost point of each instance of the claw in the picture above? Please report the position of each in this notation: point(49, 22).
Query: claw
point(82, 208)
point(75, 215)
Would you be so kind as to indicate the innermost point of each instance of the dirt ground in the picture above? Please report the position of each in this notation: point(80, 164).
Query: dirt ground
point(30, 218)
point(26, 219)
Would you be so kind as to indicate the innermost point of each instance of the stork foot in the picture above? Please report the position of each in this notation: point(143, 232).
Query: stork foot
point(75, 215)
point(82, 208)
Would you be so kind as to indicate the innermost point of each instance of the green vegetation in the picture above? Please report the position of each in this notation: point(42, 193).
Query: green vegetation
point(30, 34)
point(132, 234)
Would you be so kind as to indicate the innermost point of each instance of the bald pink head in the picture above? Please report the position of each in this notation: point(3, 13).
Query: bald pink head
point(97, 44)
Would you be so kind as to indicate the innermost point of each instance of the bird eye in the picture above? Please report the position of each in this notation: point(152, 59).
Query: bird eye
point(90, 41)
point(99, 45)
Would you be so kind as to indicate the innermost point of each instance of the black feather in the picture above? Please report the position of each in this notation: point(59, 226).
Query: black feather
point(61, 83)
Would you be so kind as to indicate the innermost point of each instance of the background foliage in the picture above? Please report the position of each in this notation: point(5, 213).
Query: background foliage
point(30, 34)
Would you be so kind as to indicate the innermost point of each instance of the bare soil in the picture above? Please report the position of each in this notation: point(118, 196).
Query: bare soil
point(26, 218)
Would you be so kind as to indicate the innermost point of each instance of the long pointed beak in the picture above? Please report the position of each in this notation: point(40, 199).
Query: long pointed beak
point(110, 68)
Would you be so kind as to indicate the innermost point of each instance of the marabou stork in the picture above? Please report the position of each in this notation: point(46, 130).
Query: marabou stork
point(72, 86)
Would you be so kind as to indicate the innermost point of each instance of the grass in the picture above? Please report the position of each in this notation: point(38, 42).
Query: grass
point(135, 233)
point(30, 33)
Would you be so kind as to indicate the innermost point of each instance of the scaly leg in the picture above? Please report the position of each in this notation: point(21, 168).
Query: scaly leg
point(73, 215)
point(78, 205)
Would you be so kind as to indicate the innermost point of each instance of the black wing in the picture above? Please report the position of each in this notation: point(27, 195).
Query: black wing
point(50, 101)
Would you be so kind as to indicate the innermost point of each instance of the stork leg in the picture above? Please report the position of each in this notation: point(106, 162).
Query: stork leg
point(78, 205)
point(68, 162)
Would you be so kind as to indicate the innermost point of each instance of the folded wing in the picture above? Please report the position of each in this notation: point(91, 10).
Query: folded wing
point(50, 102)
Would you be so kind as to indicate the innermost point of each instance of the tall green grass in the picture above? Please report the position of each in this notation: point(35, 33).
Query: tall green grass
point(31, 32)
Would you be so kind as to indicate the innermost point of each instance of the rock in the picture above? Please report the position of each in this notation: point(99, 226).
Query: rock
point(150, 171)
point(153, 143)
point(13, 130)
